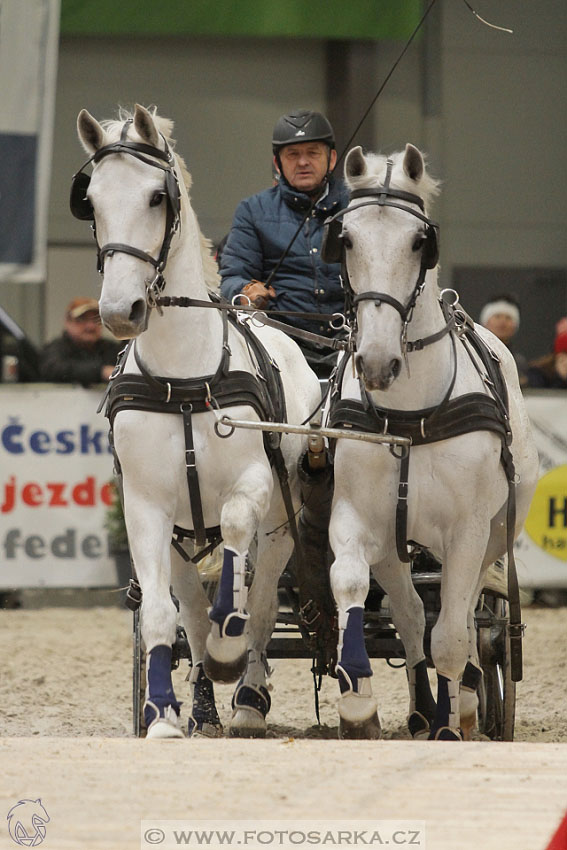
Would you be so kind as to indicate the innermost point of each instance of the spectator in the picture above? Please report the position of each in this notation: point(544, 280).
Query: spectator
point(551, 371)
point(80, 355)
point(19, 356)
point(501, 316)
point(265, 224)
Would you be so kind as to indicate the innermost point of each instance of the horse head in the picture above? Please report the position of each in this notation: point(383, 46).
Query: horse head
point(389, 244)
point(134, 198)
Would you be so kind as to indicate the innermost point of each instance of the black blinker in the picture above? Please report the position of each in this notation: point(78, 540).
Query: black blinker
point(331, 246)
point(80, 205)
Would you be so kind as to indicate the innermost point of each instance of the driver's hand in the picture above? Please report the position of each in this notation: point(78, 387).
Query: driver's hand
point(259, 294)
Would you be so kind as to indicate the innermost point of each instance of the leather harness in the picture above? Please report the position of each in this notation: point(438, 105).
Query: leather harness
point(453, 417)
point(226, 388)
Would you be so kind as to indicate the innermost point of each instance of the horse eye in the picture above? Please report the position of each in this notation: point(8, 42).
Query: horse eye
point(347, 241)
point(157, 198)
point(418, 241)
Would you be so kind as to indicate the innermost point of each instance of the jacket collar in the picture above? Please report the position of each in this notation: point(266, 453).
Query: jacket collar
point(301, 202)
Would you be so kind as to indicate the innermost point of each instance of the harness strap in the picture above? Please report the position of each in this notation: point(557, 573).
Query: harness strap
point(418, 344)
point(515, 626)
point(402, 507)
point(193, 477)
point(471, 412)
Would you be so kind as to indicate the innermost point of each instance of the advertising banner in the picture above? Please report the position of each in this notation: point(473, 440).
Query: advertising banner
point(29, 42)
point(541, 550)
point(55, 488)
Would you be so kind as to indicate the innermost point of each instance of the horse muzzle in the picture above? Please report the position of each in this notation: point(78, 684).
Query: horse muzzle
point(377, 376)
point(125, 322)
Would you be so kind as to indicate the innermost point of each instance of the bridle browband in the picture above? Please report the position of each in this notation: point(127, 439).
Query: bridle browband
point(82, 208)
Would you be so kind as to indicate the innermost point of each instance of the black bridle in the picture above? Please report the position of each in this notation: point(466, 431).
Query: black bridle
point(82, 208)
point(382, 197)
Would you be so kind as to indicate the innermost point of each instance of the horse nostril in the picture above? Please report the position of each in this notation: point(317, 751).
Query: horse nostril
point(395, 367)
point(358, 364)
point(138, 310)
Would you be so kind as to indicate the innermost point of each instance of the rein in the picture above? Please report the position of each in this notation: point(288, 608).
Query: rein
point(263, 317)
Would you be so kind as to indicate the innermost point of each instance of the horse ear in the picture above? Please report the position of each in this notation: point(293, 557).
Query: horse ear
point(90, 132)
point(413, 163)
point(144, 124)
point(355, 163)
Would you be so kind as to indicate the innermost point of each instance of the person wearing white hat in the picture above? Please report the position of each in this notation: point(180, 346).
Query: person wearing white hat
point(501, 316)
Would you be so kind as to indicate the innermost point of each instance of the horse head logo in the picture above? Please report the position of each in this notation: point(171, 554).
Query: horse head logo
point(26, 823)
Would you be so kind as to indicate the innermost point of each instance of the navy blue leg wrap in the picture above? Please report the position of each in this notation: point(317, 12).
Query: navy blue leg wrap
point(248, 697)
point(443, 702)
point(424, 702)
point(224, 600)
point(438, 730)
point(354, 658)
point(160, 687)
point(471, 677)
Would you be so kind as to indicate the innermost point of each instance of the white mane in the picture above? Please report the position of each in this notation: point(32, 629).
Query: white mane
point(113, 129)
point(426, 187)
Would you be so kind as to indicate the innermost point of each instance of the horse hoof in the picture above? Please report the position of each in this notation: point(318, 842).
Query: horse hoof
point(245, 724)
point(365, 730)
point(164, 725)
point(358, 717)
point(468, 725)
point(225, 657)
point(204, 730)
point(250, 706)
point(445, 733)
point(418, 725)
point(224, 672)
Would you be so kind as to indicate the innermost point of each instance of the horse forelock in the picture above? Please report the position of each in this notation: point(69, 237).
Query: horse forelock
point(427, 187)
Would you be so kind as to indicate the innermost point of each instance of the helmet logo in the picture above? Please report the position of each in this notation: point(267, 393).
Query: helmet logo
point(300, 133)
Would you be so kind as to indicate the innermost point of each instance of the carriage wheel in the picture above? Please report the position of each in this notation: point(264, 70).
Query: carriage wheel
point(138, 680)
point(497, 691)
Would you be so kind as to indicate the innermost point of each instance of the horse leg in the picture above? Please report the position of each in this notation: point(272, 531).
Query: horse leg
point(408, 616)
point(251, 702)
point(193, 604)
point(450, 637)
point(350, 580)
point(472, 673)
point(225, 653)
point(158, 625)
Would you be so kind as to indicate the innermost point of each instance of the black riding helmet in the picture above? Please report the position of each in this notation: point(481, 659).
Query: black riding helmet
point(302, 126)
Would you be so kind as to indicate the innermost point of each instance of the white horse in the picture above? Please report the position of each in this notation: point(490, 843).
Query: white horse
point(457, 492)
point(148, 239)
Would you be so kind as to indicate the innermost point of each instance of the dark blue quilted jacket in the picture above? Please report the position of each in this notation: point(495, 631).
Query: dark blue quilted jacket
point(263, 227)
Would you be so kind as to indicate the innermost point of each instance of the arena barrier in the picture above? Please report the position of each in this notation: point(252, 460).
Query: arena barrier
point(56, 490)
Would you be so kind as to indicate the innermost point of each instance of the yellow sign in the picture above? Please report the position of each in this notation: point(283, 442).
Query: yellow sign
point(547, 520)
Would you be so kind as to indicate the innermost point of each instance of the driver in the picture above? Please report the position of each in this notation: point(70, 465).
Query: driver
point(303, 146)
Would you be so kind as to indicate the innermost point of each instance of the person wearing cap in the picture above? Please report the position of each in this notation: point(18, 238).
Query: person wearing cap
point(550, 371)
point(80, 355)
point(501, 316)
point(264, 225)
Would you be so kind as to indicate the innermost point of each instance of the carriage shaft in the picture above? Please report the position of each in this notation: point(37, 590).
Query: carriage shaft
point(310, 430)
